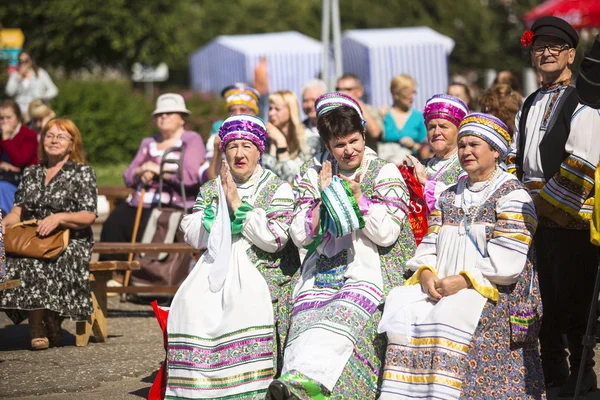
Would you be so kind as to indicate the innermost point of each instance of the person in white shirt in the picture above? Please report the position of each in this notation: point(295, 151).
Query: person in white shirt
point(30, 82)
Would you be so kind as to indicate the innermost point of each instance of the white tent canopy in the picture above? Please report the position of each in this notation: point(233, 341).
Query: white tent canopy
point(292, 60)
point(377, 55)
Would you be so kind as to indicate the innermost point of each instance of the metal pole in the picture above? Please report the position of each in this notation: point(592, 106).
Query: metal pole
point(337, 38)
point(325, 29)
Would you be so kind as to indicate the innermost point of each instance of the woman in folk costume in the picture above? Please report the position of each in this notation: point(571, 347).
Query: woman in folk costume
point(350, 216)
point(228, 322)
point(443, 114)
point(465, 324)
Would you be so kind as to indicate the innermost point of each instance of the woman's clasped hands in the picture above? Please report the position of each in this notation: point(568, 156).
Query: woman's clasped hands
point(436, 288)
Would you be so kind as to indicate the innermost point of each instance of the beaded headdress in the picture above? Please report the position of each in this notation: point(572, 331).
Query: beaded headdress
point(446, 107)
point(241, 94)
point(488, 128)
point(330, 101)
point(246, 127)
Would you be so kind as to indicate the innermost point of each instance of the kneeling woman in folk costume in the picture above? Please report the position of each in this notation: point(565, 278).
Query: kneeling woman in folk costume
point(350, 215)
point(228, 321)
point(466, 323)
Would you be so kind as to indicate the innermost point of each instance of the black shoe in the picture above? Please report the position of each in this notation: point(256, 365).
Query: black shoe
point(556, 374)
point(588, 384)
point(278, 391)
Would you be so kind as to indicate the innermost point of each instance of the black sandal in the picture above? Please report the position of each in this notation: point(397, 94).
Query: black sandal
point(279, 391)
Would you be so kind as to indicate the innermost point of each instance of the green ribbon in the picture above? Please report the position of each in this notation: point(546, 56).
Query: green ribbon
point(312, 389)
point(239, 217)
point(209, 217)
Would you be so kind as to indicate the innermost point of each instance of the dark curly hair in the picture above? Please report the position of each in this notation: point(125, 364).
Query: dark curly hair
point(339, 122)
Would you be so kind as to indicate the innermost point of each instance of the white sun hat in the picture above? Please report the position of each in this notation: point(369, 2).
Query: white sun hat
point(170, 103)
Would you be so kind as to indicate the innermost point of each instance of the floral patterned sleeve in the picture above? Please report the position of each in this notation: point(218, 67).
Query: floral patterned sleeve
point(87, 191)
point(20, 193)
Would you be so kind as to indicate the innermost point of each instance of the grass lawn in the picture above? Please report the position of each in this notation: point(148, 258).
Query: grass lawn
point(110, 174)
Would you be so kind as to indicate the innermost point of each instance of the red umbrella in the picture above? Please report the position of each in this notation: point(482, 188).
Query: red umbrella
point(578, 13)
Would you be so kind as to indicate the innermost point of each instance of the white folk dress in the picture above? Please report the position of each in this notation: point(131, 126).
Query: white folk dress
point(229, 319)
point(429, 341)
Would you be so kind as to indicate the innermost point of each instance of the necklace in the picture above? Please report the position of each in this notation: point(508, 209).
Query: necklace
point(471, 212)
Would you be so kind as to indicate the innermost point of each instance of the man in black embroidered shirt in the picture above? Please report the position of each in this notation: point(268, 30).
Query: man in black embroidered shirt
point(554, 153)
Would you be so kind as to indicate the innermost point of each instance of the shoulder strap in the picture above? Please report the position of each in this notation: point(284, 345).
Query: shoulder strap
point(268, 190)
point(368, 181)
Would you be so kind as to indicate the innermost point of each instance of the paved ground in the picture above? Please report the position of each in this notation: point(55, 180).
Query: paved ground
point(121, 369)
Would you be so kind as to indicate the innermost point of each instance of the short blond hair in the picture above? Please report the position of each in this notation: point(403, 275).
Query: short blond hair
point(401, 82)
point(38, 109)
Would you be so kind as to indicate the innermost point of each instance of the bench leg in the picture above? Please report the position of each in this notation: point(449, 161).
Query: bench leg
point(100, 327)
point(96, 322)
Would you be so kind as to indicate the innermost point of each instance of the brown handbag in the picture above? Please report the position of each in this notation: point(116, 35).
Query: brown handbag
point(22, 240)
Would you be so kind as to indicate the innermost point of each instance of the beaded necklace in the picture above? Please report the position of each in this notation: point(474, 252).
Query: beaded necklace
point(469, 217)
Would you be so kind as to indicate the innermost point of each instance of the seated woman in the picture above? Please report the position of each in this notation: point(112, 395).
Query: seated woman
point(40, 113)
point(239, 99)
point(18, 149)
point(291, 143)
point(144, 170)
point(229, 320)
point(351, 218)
point(443, 114)
point(464, 326)
point(403, 128)
point(60, 192)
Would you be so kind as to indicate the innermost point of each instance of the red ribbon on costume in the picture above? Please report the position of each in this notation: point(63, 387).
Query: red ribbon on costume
point(417, 211)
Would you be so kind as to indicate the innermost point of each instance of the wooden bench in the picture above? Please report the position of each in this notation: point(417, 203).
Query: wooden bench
point(100, 273)
point(121, 248)
point(115, 194)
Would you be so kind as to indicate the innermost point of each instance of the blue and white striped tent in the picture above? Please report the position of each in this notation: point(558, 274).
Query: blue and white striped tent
point(377, 55)
point(292, 60)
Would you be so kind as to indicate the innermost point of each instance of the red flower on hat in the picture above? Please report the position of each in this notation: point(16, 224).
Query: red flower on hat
point(527, 38)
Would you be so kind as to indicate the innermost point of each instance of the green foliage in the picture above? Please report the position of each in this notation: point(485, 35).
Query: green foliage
point(109, 174)
point(111, 117)
point(85, 33)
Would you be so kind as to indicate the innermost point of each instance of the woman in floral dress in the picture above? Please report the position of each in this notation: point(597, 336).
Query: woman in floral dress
point(465, 325)
point(60, 192)
point(443, 114)
point(351, 220)
point(228, 321)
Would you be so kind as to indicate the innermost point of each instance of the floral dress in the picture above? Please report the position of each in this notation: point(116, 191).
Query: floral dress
point(464, 346)
point(61, 285)
point(333, 347)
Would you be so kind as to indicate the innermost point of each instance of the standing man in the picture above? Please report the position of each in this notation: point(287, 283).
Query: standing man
point(351, 85)
point(555, 152)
